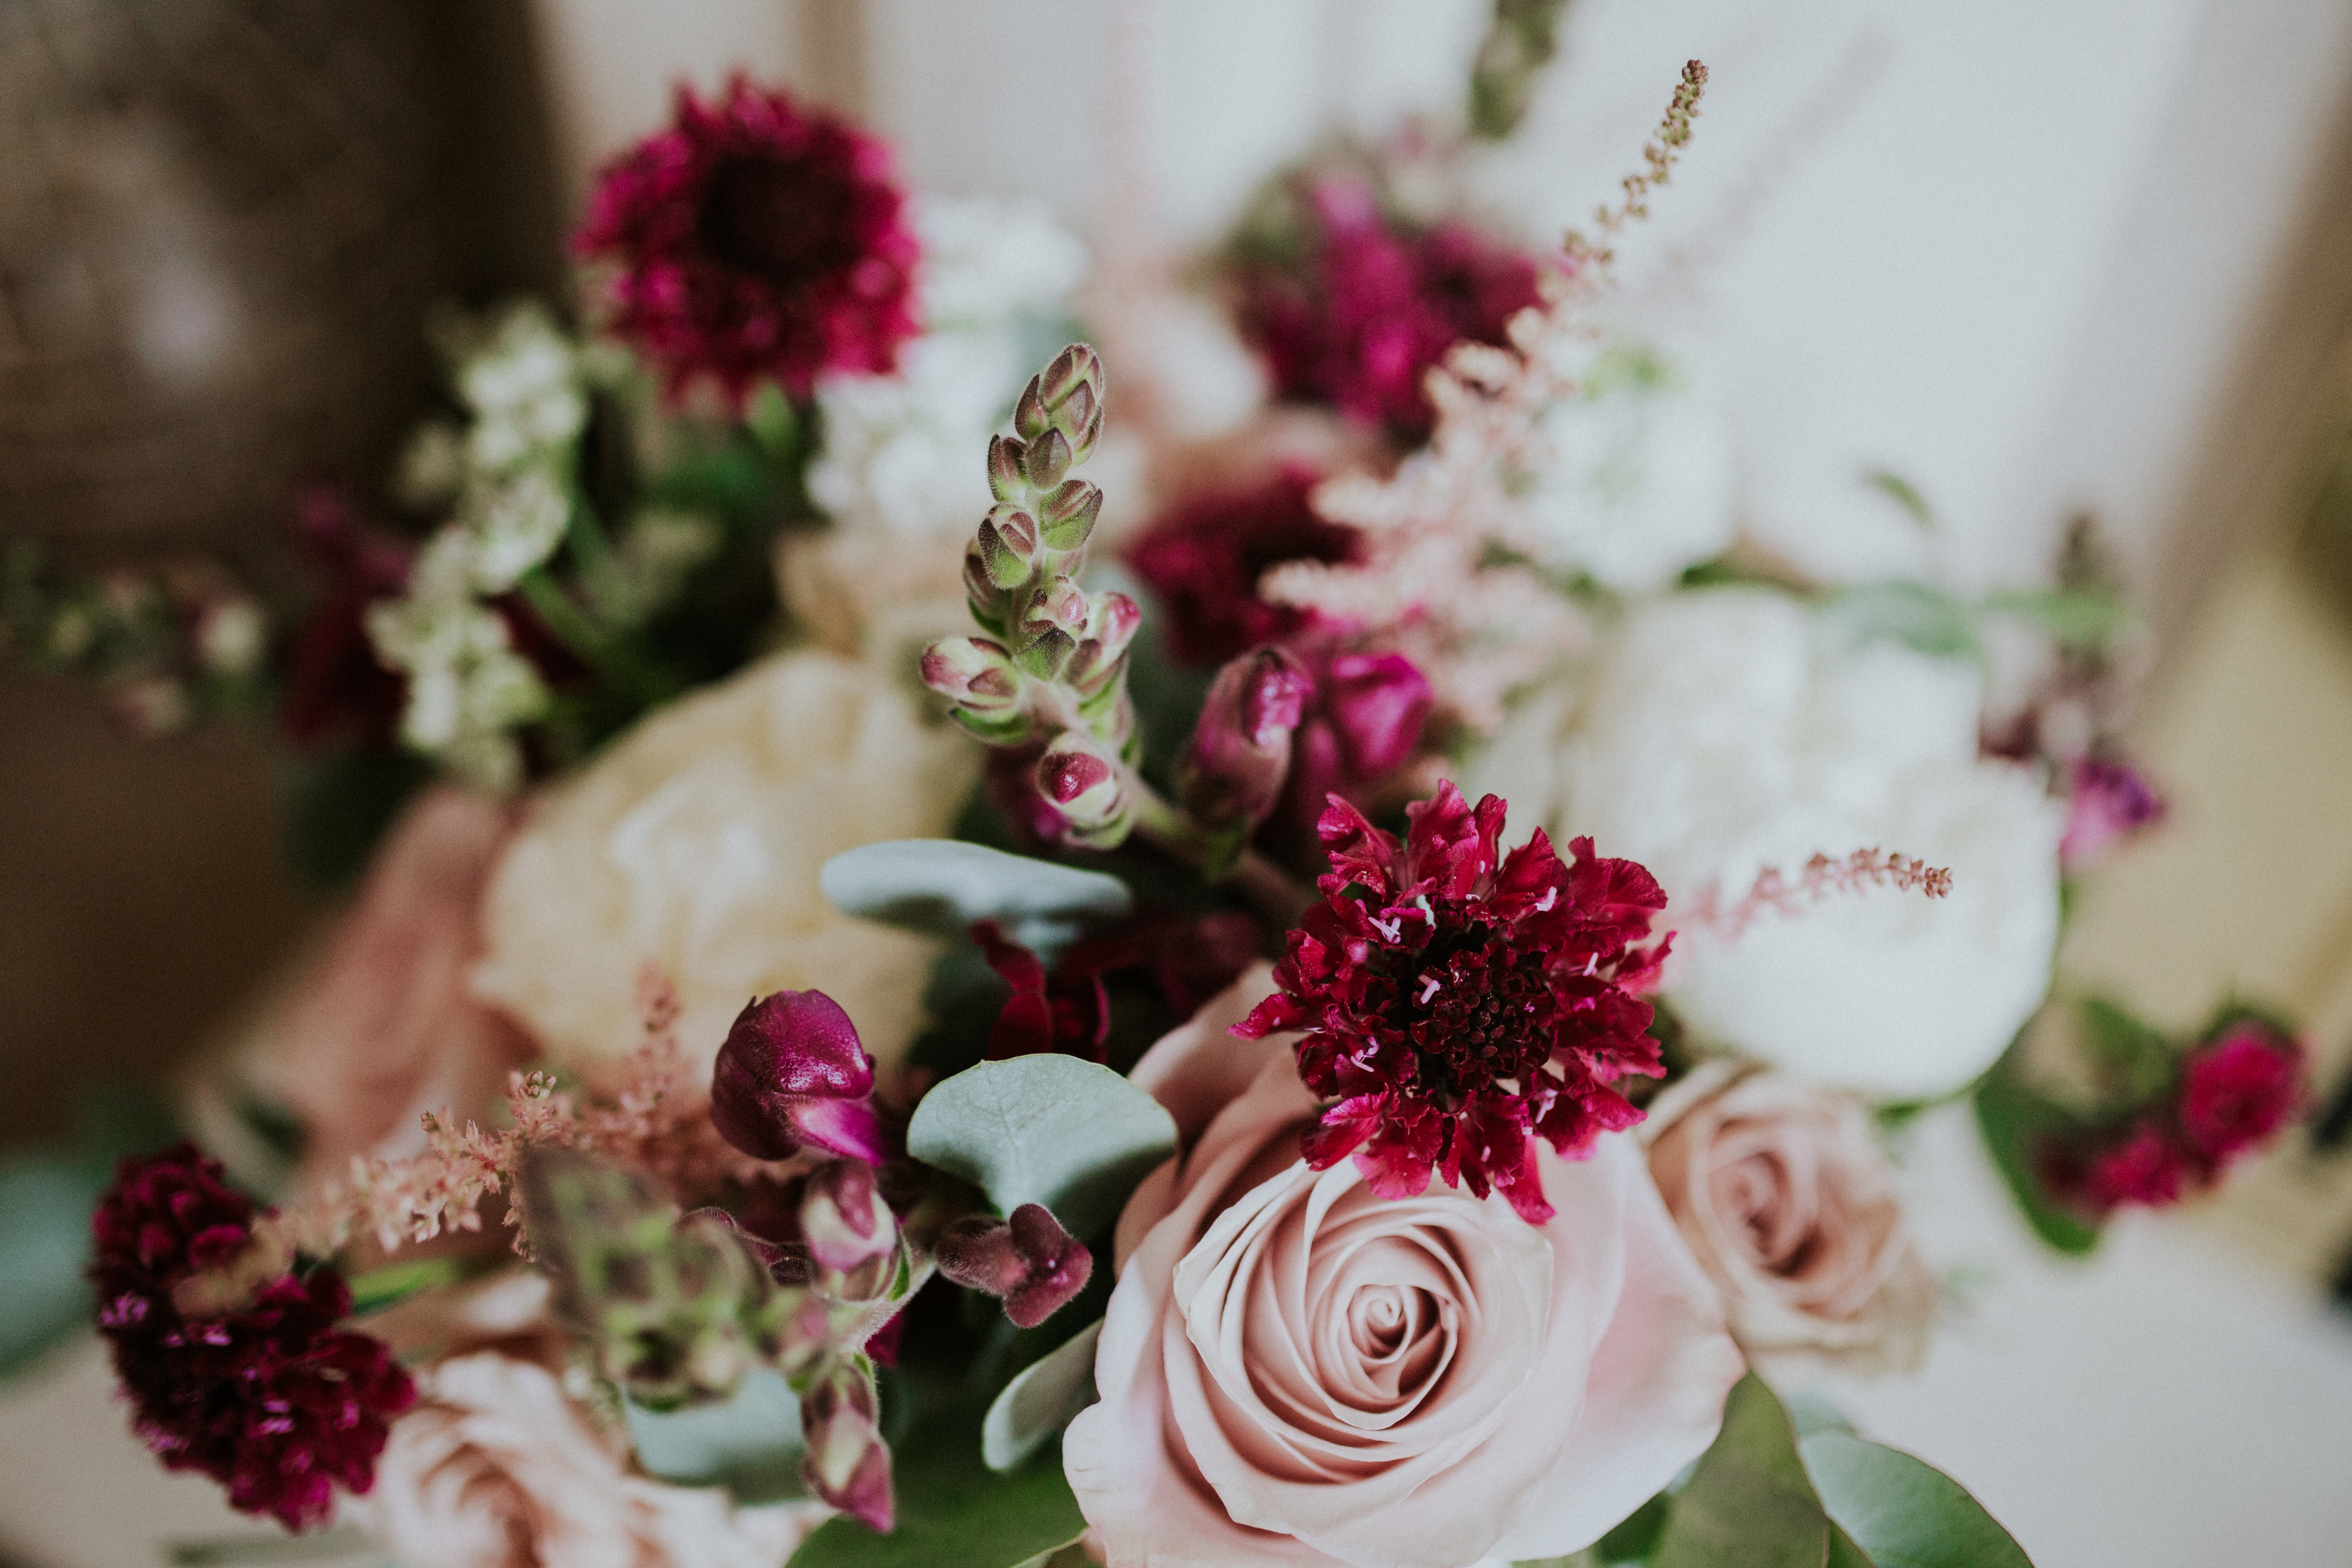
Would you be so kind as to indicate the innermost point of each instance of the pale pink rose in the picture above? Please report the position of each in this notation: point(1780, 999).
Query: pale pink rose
point(1792, 1207)
point(1293, 1371)
point(496, 1467)
point(381, 1026)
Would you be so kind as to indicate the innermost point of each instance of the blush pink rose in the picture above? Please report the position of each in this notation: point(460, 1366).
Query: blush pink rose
point(1293, 1371)
point(498, 1468)
point(381, 1027)
point(1790, 1206)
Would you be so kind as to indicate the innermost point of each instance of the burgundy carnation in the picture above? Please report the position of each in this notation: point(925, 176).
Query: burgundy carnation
point(2237, 1090)
point(1203, 558)
point(1457, 1003)
point(272, 1400)
point(756, 241)
point(1375, 303)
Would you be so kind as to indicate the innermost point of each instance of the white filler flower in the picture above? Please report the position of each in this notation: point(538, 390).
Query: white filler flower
point(1726, 731)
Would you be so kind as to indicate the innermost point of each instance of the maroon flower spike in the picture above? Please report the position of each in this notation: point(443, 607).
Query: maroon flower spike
point(272, 1400)
point(845, 1460)
point(2237, 1091)
point(1029, 1260)
point(1231, 774)
point(756, 241)
point(792, 1076)
point(1456, 1004)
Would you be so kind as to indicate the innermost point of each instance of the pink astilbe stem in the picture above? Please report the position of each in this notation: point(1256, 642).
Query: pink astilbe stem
point(1821, 876)
point(1425, 579)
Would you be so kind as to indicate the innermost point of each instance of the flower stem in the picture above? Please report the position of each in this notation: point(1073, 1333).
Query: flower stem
point(1277, 894)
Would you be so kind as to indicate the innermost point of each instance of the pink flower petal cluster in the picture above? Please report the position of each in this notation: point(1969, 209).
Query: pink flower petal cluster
point(756, 241)
point(2232, 1095)
point(1457, 1003)
point(2109, 801)
point(1375, 303)
point(271, 1400)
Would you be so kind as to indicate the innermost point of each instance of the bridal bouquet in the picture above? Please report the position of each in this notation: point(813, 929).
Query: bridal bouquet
point(862, 1043)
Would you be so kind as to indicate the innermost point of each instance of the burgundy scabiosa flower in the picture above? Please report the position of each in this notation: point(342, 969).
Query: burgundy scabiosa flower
point(1202, 561)
point(271, 1400)
point(2239, 1090)
point(756, 240)
point(1374, 303)
point(1455, 1002)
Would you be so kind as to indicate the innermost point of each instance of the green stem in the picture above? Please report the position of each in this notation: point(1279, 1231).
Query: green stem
point(1277, 895)
point(577, 632)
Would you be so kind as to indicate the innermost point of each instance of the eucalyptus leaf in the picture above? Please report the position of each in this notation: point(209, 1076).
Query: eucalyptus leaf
point(750, 1443)
point(45, 1206)
point(1903, 1512)
point(1048, 1130)
point(941, 886)
point(2013, 1119)
point(1912, 614)
point(1844, 1552)
point(1038, 1402)
point(1749, 1502)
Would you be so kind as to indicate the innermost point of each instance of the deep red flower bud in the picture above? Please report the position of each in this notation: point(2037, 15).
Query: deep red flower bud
point(2238, 1090)
point(1087, 788)
point(2108, 802)
point(845, 1462)
point(793, 1075)
point(2145, 1168)
point(1029, 1261)
point(1230, 775)
point(843, 1219)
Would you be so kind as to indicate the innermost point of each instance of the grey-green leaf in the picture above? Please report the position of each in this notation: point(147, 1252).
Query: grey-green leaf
point(1040, 1401)
point(750, 1443)
point(1048, 1130)
point(941, 886)
point(1749, 1502)
point(1903, 1512)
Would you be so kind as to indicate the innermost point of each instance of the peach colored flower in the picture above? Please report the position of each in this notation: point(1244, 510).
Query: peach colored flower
point(496, 1467)
point(1792, 1208)
point(381, 1026)
point(1296, 1372)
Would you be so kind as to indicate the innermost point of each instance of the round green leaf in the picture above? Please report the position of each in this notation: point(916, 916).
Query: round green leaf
point(1903, 1512)
point(940, 886)
point(1048, 1130)
point(1036, 1404)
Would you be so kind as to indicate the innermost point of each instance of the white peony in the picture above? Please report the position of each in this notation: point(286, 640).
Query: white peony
point(693, 844)
point(1725, 731)
point(1636, 481)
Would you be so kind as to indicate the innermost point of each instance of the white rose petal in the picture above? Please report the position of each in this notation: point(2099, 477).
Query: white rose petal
point(1724, 732)
point(694, 842)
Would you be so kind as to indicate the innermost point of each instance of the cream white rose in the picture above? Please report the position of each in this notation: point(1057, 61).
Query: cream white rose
point(693, 844)
point(1722, 732)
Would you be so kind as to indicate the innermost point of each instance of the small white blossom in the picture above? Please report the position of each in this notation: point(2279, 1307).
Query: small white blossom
point(515, 525)
point(523, 387)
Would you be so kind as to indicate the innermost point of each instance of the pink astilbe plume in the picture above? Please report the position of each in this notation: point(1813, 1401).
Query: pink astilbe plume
point(1822, 877)
point(1426, 578)
point(646, 1114)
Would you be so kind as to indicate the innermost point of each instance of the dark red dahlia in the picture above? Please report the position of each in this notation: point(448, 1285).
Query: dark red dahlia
point(271, 1400)
point(756, 241)
point(1455, 1003)
point(2238, 1090)
point(1374, 303)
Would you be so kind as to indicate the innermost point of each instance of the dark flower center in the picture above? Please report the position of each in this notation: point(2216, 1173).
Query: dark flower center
point(1478, 1008)
point(787, 219)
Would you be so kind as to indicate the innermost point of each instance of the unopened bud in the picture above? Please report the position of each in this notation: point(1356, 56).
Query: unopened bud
point(1048, 460)
point(846, 1224)
point(1087, 788)
point(1029, 1261)
point(1008, 546)
point(793, 1075)
point(1058, 605)
point(845, 1462)
point(1067, 517)
point(1005, 465)
point(977, 672)
point(1230, 775)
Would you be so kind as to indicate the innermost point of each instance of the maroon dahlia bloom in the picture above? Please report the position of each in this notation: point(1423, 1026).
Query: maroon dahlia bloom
point(272, 1400)
point(2238, 1090)
point(1457, 1003)
point(756, 241)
